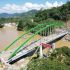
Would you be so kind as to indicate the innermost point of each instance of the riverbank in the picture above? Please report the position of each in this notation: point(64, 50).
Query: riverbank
point(9, 34)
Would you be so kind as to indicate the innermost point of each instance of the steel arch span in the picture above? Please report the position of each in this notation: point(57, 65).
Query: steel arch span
point(41, 28)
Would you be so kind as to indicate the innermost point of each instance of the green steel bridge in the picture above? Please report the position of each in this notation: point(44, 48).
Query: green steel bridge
point(47, 32)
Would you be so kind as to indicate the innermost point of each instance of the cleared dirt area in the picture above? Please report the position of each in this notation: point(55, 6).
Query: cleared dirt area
point(68, 24)
point(62, 43)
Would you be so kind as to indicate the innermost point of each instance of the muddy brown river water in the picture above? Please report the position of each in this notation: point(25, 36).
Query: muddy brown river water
point(8, 34)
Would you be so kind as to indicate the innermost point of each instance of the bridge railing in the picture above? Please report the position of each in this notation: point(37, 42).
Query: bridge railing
point(23, 36)
point(31, 30)
point(32, 36)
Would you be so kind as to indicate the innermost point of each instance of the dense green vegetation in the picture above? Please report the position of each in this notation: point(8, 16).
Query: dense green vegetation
point(16, 17)
point(1, 25)
point(9, 20)
point(25, 24)
point(59, 13)
point(59, 59)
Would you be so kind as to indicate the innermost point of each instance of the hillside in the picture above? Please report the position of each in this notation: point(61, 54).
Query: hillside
point(29, 13)
point(59, 13)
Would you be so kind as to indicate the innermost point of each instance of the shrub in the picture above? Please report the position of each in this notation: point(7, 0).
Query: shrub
point(46, 64)
point(1, 25)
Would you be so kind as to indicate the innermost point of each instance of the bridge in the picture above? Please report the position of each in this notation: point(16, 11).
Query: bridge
point(47, 32)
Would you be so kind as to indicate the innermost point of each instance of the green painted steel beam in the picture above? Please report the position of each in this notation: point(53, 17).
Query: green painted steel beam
point(27, 33)
point(14, 53)
point(22, 36)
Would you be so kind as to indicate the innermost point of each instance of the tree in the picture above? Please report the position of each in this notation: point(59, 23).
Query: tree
point(20, 25)
point(1, 25)
point(59, 13)
point(2, 22)
point(59, 59)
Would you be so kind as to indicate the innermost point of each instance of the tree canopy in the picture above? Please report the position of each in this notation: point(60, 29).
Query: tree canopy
point(59, 13)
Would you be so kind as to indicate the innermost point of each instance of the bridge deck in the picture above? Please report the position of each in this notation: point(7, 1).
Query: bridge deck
point(37, 43)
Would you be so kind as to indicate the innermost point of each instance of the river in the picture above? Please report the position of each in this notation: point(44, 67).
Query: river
point(9, 33)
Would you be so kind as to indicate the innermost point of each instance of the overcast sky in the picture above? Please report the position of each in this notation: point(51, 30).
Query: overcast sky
point(19, 6)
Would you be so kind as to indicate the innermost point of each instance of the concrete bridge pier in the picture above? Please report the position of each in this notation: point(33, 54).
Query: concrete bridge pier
point(41, 52)
point(51, 50)
point(53, 46)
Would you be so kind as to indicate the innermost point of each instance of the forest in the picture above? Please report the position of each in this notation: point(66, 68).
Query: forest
point(61, 13)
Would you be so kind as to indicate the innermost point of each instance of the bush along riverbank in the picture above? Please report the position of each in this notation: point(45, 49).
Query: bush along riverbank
point(59, 59)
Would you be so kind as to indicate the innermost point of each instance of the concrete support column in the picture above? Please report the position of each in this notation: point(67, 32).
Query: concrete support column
point(53, 46)
point(41, 52)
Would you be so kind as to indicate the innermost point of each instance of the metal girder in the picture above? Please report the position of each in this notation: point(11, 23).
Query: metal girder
point(56, 24)
point(22, 36)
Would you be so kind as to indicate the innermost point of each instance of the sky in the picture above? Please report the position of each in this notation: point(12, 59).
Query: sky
point(19, 6)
